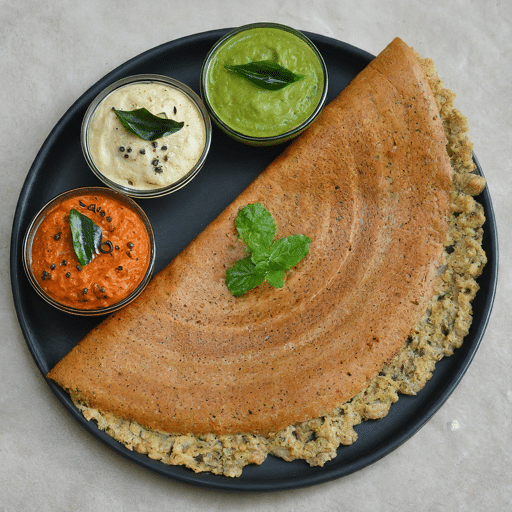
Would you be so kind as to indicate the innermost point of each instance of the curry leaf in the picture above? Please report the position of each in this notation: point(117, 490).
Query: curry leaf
point(86, 236)
point(145, 125)
point(266, 74)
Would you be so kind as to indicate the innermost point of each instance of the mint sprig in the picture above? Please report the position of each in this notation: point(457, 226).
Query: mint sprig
point(269, 259)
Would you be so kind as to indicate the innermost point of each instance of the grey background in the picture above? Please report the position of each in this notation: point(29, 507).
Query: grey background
point(52, 52)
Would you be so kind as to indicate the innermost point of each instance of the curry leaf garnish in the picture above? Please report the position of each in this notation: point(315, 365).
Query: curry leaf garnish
point(266, 74)
point(86, 236)
point(145, 125)
point(269, 259)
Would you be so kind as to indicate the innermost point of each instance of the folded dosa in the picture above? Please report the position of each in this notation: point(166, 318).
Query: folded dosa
point(369, 183)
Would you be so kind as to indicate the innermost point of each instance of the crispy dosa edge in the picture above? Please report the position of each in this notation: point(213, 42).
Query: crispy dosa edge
point(377, 215)
point(441, 330)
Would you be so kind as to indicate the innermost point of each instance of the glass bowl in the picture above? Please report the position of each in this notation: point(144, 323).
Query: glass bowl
point(109, 155)
point(234, 111)
point(60, 279)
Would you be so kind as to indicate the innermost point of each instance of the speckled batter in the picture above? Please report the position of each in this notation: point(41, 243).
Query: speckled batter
point(441, 330)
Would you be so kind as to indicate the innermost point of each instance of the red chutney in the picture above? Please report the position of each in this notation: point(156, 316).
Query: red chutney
point(108, 278)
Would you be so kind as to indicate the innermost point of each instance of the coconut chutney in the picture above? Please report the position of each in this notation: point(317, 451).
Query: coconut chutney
point(133, 162)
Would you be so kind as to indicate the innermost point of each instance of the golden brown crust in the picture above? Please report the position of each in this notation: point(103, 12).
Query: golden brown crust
point(439, 332)
point(370, 184)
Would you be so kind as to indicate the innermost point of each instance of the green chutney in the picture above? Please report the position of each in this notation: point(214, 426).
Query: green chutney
point(252, 110)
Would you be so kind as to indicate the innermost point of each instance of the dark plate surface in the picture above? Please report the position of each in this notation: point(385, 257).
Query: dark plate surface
point(176, 220)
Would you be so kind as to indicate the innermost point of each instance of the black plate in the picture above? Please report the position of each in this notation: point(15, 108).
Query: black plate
point(176, 220)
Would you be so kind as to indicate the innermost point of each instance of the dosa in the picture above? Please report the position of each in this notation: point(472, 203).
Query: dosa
point(369, 183)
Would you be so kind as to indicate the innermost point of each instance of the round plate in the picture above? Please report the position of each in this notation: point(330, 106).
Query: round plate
point(176, 220)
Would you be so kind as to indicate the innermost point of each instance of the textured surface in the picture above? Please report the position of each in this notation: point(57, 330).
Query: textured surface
point(463, 452)
point(370, 184)
point(440, 331)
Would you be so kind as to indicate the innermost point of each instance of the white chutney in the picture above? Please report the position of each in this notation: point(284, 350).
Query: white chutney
point(130, 161)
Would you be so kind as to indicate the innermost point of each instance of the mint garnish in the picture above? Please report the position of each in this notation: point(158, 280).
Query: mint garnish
point(269, 259)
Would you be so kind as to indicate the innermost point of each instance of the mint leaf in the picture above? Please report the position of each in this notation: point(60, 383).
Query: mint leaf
point(242, 277)
point(256, 227)
point(266, 74)
point(275, 278)
point(268, 260)
point(86, 236)
point(145, 125)
point(261, 257)
point(287, 252)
